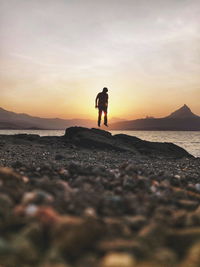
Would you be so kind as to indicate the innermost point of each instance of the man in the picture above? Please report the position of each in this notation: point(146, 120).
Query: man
point(101, 103)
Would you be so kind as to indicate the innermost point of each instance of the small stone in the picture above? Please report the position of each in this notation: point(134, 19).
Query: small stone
point(64, 172)
point(197, 187)
point(118, 260)
point(37, 197)
point(47, 216)
point(48, 264)
point(192, 258)
point(25, 179)
point(153, 189)
point(136, 222)
point(7, 175)
point(72, 239)
point(179, 218)
point(154, 234)
point(188, 204)
point(90, 212)
point(165, 255)
point(65, 186)
point(181, 240)
point(59, 157)
point(31, 210)
point(121, 245)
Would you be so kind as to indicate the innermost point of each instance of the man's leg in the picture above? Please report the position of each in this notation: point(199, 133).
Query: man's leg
point(105, 118)
point(99, 118)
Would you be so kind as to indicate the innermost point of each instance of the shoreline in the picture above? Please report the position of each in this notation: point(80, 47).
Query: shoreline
point(187, 140)
point(103, 128)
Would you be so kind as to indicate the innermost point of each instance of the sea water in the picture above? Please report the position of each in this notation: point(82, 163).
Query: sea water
point(189, 140)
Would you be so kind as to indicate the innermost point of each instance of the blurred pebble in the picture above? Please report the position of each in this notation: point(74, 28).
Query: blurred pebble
point(31, 210)
point(118, 260)
point(197, 187)
point(37, 197)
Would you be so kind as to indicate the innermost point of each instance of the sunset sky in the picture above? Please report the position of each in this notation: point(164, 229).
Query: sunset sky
point(56, 55)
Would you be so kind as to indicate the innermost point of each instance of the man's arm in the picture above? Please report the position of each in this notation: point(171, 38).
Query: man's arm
point(107, 100)
point(96, 101)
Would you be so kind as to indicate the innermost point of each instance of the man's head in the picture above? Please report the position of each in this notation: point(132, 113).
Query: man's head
point(105, 89)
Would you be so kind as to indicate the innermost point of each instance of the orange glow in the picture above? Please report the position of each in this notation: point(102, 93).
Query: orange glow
point(57, 55)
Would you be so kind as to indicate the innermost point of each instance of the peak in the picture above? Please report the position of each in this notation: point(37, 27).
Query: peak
point(185, 107)
point(183, 112)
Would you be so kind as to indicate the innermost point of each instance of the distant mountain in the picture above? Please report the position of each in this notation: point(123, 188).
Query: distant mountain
point(182, 113)
point(182, 119)
point(12, 120)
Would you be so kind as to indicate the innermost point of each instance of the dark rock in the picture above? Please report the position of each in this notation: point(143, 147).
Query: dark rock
point(91, 138)
point(154, 234)
point(188, 204)
point(181, 240)
point(59, 157)
point(123, 245)
point(17, 164)
point(95, 138)
point(155, 149)
point(136, 222)
point(73, 237)
point(76, 131)
point(163, 255)
point(192, 258)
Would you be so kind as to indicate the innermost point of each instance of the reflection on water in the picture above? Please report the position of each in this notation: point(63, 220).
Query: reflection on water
point(186, 139)
point(38, 132)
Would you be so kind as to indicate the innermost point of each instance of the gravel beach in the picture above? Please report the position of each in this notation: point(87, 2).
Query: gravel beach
point(64, 204)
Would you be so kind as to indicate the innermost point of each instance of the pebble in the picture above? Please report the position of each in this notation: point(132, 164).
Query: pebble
point(192, 258)
point(136, 222)
point(197, 187)
point(188, 204)
point(38, 197)
point(118, 260)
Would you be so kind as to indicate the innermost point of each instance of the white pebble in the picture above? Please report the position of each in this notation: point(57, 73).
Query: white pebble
point(31, 210)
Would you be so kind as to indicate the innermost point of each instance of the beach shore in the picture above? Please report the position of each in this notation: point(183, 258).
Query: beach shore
point(63, 203)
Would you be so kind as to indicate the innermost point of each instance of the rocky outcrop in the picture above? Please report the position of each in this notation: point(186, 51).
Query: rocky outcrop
point(99, 139)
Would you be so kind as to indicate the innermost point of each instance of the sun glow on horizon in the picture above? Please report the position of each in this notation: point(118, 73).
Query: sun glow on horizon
point(57, 55)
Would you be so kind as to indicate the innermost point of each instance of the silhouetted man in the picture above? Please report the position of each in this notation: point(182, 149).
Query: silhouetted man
point(101, 103)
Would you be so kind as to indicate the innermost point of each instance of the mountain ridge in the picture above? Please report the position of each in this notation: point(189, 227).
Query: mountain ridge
point(182, 119)
point(183, 112)
point(12, 120)
point(15, 121)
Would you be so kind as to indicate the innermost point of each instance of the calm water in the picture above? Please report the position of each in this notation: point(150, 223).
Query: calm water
point(188, 140)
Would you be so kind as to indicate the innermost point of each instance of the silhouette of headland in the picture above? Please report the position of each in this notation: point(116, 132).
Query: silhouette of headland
point(182, 119)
